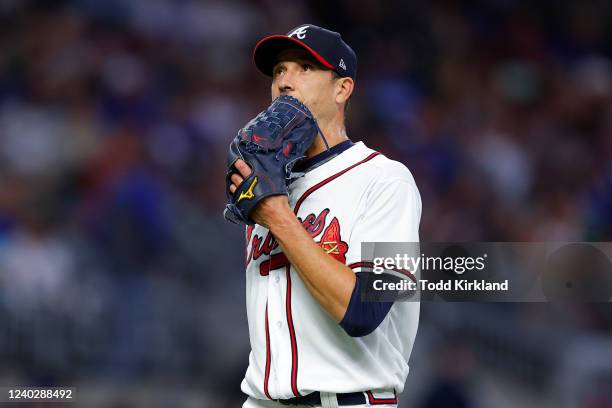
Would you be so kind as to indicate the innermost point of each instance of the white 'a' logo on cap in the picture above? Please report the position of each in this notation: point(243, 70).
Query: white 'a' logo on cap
point(299, 32)
point(342, 64)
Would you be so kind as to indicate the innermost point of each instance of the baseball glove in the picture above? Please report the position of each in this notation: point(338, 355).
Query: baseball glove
point(271, 144)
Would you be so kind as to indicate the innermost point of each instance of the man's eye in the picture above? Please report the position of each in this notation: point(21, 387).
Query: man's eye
point(307, 67)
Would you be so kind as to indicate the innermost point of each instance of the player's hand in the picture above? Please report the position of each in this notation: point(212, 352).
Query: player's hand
point(270, 208)
point(237, 179)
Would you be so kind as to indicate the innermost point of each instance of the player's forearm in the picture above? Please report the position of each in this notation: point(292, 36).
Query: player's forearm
point(330, 282)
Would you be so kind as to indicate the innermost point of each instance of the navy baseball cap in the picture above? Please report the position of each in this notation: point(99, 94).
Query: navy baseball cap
point(326, 46)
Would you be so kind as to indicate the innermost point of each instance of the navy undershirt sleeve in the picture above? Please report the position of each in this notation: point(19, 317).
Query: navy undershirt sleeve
point(362, 318)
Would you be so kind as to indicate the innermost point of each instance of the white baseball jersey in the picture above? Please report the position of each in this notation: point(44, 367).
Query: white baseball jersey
point(296, 347)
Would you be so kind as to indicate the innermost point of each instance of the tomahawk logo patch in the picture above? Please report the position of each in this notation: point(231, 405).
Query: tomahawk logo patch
point(300, 32)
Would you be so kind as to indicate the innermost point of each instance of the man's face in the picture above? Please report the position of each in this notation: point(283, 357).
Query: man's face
point(298, 74)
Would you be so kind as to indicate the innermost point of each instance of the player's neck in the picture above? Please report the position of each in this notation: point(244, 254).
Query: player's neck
point(334, 133)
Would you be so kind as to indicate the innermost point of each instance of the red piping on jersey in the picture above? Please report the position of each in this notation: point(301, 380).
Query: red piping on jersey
point(327, 180)
point(268, 357)
point(362, 264)
point(381, 401)
point(370, 265)
point(294, 354)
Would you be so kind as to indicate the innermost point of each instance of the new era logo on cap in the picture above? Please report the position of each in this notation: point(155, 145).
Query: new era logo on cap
point(326, 46)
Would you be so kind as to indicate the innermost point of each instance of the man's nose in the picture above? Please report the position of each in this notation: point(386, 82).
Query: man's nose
point(285, 83)
point(285, 89)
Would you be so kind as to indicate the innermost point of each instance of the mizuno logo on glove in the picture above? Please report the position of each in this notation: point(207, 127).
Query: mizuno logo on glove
point(270, 144)
point(248, 195)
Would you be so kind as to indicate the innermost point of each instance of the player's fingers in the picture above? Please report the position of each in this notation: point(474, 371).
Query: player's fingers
point(243, 168)
point(236, 179)
point(232, 189)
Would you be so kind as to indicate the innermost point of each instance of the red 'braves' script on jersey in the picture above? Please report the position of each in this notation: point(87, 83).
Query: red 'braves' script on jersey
point(313, 224)
point(264, 246)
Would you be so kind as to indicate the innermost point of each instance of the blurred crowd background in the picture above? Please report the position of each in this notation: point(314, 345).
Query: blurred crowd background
point(118, 274)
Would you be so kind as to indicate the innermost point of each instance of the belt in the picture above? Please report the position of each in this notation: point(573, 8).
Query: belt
point(312, 399)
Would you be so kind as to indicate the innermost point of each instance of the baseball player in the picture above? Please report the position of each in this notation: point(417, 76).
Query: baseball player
point(314, 342)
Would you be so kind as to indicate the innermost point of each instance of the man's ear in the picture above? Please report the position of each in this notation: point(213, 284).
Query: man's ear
point(344, 89)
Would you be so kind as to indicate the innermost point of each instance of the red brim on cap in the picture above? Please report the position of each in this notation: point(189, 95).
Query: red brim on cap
point(266, 51)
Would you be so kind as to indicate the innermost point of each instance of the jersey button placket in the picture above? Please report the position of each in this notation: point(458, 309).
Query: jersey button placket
point(278, 337)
